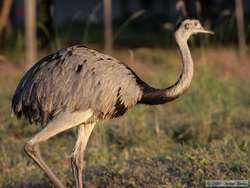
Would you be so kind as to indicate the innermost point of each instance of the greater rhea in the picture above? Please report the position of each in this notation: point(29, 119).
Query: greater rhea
point(78, 86)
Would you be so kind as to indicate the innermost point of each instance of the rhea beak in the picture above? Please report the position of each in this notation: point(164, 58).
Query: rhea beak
point(202, 30)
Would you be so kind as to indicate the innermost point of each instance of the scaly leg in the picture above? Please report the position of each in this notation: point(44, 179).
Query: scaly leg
point(61, 123)
point(77, 159)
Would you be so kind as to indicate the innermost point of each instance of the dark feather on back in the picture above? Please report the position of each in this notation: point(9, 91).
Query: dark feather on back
point(76, 79)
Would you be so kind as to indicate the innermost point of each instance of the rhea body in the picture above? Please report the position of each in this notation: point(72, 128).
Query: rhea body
point(78, 86)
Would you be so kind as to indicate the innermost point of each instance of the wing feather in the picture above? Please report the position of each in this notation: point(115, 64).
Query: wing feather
point(75, 78)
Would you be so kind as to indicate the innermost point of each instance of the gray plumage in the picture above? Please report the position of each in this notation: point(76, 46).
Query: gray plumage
point(72, 79)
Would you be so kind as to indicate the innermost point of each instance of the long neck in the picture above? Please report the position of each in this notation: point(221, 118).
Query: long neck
point(159, 96)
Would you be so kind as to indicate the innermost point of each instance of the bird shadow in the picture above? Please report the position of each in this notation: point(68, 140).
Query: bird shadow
point(136, 173)
point(30, 185)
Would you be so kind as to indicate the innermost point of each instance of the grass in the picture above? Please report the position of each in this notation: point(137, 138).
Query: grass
point(202, 135)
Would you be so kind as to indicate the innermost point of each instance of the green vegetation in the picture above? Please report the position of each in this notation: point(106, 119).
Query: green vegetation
point(205, 134)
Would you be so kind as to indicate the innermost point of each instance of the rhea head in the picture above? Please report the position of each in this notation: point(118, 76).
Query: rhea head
point(188, 27)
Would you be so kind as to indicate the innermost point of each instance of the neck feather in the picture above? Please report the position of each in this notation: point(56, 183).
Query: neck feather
point(154, 96)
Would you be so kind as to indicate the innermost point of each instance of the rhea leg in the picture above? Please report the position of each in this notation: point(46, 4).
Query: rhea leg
point(59, 124)
point(77, 159)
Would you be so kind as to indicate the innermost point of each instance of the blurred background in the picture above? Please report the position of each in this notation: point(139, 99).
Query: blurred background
point(205, 134)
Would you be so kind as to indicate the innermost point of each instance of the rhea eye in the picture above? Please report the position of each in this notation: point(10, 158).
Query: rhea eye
point(196, 24)
point(186, 26)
